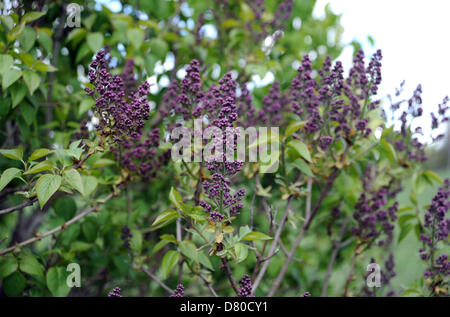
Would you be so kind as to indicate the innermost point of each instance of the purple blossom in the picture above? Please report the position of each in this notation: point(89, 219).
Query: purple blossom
point(179, 291)
point(115, 292)
point(245, 289)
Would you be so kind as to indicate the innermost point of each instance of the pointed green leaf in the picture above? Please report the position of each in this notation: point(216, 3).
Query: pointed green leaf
point(14, 154)
point(40, 167)
point(46, 186)
point(32, 80)
point(300, 148)
point(37, 154)
point(166, 215)
point(255, 236)
point(169, 260)
point(73, 178)
point(8, 175)
point(189, 249)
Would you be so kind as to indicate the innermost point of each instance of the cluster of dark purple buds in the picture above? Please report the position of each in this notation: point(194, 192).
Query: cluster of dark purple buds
point(126, 236)
point(436, 229)
point(115, 292)
point(306, 294)
point(218, 105)
point(142, 156)
point(122, 110)
point(121, 116)
point(219, 192)
point(246, 110)
point(274, 104)
point(374, 218)
point(407, 140)
point(184, 99)
point(128, 77)
point(245, 289)
point(179, 291)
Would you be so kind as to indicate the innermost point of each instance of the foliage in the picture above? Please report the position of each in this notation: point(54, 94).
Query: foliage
point(89, 114)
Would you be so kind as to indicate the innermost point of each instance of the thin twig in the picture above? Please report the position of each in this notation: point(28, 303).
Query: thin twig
point(54, 230)
point(336, 247)
point(305, 228)
point(226, 266)
point(18, 207)
point(157, 280)
point(324, 192)
point(274, 244)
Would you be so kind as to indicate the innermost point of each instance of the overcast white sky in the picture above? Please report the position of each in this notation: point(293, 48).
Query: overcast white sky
point(414, 36)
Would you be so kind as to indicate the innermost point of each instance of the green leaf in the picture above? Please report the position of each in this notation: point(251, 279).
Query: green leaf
point(31, 266)
point(40, 167)
point(43, 67)
point(31, 16)
point(8, 265)
point(136, 240)
point(204, 260)
point(10, 77)
point(80, 246)
point(14, 154)
point(74, 150)
point(166, 216)
point(89, 184)
point(433, 176)
point(404, 231)
point(45, 40)
point(294, 127)
point(8, 175)
point(73, 178)
point(37, 154)
point(56, 281)
point(65, 207)
point(85, 105)
point(136, 37)
point(405, 218)
point(256, 236)
point(169, 260)
point(300, 148)
point(6, 61)
point(175, 198)
point(16, 32)
point(303, 167)
point(101, 162)
point(189, 249)
point(32, 80)
point(18, 92)
point(27, 39)
point(158, 48)
point(95, 41)
point(241, 251)
point(46, 186)
point(14, 284)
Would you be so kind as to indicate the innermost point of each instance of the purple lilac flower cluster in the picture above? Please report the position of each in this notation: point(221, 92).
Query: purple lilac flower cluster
point(122, 110)
point(115, 292)
point(121, 116)
point(274, 104)
point(220, 104)
point(184, 99)
point(245, 289)
point(126, 236)
point(179, 291)
point(341, 97)
point(407, 139)
point(436, 230)
point(373, 218)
